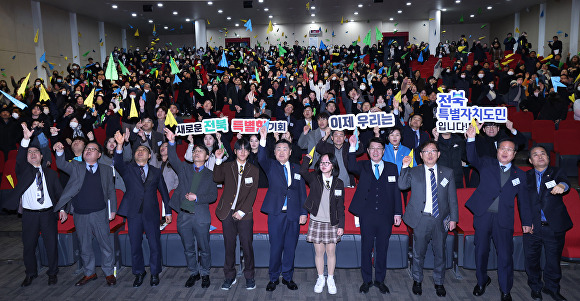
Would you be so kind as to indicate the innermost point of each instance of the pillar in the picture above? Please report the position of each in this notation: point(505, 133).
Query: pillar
point(574, 25)
point(124, 38)
point(434, 29)
point(516, 26)
point(74, 38)
point(542, 31)
point(200, 33)
point(39, 46)
point(103, 44)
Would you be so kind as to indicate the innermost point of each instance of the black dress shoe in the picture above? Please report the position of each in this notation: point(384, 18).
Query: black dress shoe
point(191, 280)
point(382, 287)
point(555, 295)
point(364, 288)
point(537, 295)
point(440, 290)
point(52, 279)
point(272, 285)
point(205, 281)
point(28, 280)
point(417, 289)
point(154, 280)
point(139, 279)
point(480, 290)
point(506, 297)
point(290, 284)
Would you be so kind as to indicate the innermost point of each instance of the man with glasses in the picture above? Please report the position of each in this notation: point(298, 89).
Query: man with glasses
point(378, 203)
point(90, 196)
point(339, 147)
point(492, 205)
point(488, 144)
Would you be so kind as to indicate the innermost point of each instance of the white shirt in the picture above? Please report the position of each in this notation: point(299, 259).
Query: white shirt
point(428, 193)
point(240, 212)
point(324, 179)
point(381, 167)
point(30, 199)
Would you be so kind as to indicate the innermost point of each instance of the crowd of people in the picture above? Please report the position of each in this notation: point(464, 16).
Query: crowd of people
point(303, 86)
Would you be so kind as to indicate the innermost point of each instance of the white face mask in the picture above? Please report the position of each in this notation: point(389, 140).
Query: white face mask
point(132, 96)
point(37, 83)
point(63, 92)
point(536, 94)
point(510, 73)
point(299, 92)
point(311, 75)
point(480, 75)
point(73, 124)
point(491, 86)
point(578, 88)
point(146, 91)
point(362, 87)
point(209, 87)
point(462, 75)
point(15, 115)
point(325, 74)
point(46, 111)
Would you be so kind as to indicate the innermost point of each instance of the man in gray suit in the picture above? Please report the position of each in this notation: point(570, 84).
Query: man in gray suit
point(87, 194)
point(431, 212)
point(191, 199)
point(310, 137)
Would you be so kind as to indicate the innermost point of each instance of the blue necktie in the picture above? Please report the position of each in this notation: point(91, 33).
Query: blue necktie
point(435, 210)
point(285, 175)
point(538, 183)
point(417, 138)
point(377, 174)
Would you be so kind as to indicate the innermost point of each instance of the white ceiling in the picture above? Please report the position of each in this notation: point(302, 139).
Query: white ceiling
point(283, 11)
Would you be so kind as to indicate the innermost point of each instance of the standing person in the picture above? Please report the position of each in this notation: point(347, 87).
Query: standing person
point(196, 190)
point(550, 220)
point(311, 136)
point(395, 152)
point(338, 146)
point(378, 203)
point(284, 205)
point(492, 205)
point(87, 194)
point(240, 179)
point(141, 207)
point(34, 196)
point(431, 212)
point(326, 206)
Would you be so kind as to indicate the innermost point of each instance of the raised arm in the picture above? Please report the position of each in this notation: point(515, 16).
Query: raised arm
point(171, 151)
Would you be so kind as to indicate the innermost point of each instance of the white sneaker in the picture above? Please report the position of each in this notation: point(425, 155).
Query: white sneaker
point(331, 285)
point(319, 285)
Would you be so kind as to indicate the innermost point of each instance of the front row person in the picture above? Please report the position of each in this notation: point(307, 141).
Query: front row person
point(191, 199)
point(240, 179)
point(431, 212)
point(87, 194)
point(550, 221)
point(141, 208)
point(326, 206)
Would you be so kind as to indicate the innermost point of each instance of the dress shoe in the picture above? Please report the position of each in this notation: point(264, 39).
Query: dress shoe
point(537, 295)
point(139, 279)
point(440, 290)
point(154, 280)
point(480, 290)
point(364, 288)
point(555, 295)
point(28, 280)
point(111, 280)
point(290, 284)
point(52, 279)
point(191, 280)
point(417, 289)
point(86, 279)
point(506, 297)
point(272, 285)
point(382, 287)
point(205, 281)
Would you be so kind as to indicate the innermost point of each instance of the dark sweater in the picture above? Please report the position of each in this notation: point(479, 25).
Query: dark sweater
point(90, 197)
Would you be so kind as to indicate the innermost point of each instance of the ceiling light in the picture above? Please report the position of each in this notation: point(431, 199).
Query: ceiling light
point(391, 19)
point(270, 16)
point(400, 11)
point(360, 5)
point(134, 14)
point(114, 6)
point(187, 20)
point(356, 13)
point(229, 18)
point(457, 1)
point(351, 20)
point(313, 15)
point(261, 1)
point(150, 21)
point(159, 4)
point(313, 22)
point(266, 9)
point(489, 7)
point(220, 11)
point(408, 3)
point(237, 24)
point(209, 3)
point(274, 23)
point(471, 16)
point(175, 13)
point(313, 7)
point(165, 27)
point(443, 9)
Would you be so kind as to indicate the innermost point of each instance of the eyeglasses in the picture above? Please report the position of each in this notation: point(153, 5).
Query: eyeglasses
point(91, 149)
point(325, 163)
point(33, 151)
point(506, 149)
point(376, 149)
point(430, 151)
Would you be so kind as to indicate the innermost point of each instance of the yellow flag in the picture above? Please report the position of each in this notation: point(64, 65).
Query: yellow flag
point(411, 156)
point(572, 99)
point(120, 112)
point(311, 154)
point(36, 37)
point(207, 21)
point(507, 62)
point(342, 21)
point(270, 27)
point(358, 39)
point(517, 30)
point(307, 5)
point(89, 99)
point(460, 48)
point(170, 120)
point(10, 180)
point(474, 124)
point(481, 38)
point(66, 58)
point(509, 55)
point(156, 73)
point(22, 88)
point(133, 112)
point(137, 32)
point(577, 78)
point(102, 43)
point(398, 96)
point(440, 90)
point(548, 57)
point(431, 19)
point(43, 94)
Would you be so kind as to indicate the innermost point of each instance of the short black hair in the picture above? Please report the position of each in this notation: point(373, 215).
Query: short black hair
point(202, 147)
point(242, 143)
point(283, 141)
point(378, 140)
point(508, 140)
point(426, 143)
point(537, 146)
point(99, 147)
point(83, 139)
point(333, 161)
point(323, 115)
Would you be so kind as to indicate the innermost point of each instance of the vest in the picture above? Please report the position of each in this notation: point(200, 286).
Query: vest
point(91, 197)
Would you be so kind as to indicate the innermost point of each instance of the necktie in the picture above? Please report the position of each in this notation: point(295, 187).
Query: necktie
point(328, 184)
point(196, 168)
point(417, 138)
point(241, 169)
point(39, 186)
point(143, 177)
point(502, 168)
point(538, 183)
point(91, 169)
point(377, 174)
point(285, 175)
point(435, 210)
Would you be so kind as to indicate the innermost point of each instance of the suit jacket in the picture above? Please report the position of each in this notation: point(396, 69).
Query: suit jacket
point(26, 175)
point(154, 143)
point(227, 173)
point(206, 192)
point(76, 170)
point(446, 194)
point(278, 189)
point(312, 204)
point(363, 169)
point(309, 141)
point(141, 198)
point(299, 127)
point(553, 205)
point(491, 188)
point(408, 139)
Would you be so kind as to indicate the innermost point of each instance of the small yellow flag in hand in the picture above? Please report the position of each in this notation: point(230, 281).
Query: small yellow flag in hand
point(22, 88)
point(474, 124)
point(411, 156)
point(10, 180)
point(170, 119)
point(311, 154)
point(43, 95)
point(89, 100)
point(133, 113)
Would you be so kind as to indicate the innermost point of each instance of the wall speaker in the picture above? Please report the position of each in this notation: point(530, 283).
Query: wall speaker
point(247, 3)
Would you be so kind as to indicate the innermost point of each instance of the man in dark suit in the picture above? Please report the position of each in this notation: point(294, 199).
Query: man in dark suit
point(378, 203)
point(283, 203)
point(90, 196)
point(150, 100)
point(141, 207)
point(433, 204)
point(492, 205)
point(144, 134)
point(412, 135)
point(196, 190)
point(306, 121)
point(550, 219)
point(236, 99)
point(34, 196)
point(240, 180)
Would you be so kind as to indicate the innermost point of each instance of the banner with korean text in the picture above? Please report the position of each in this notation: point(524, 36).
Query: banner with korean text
point(361, 121)
point(238, 125)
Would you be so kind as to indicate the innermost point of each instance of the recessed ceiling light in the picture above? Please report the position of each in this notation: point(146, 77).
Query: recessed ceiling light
point(175, 13)
point(165, 27)
point(134, 14)
point(270, 16)
point(150, 21)
point(399, 11)
point(220, 11)
point(408, 3)
point(443, 9)
point(313, 15)
point(187, 20)
point(313, 22)
point(266, 9)
point(471, 16)
point(114, 6)
point(261, 1)
point(229, 18)
point(391, 19)
point(360, 5)
point(356, 13)
point(313, 7)
point(489, 7)
point(237, 24)
point(351, 20)
point(209, 3)
point(159, 4)
point(457, 1)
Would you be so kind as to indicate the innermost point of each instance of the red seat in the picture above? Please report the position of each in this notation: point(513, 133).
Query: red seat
point(569, 123)
point(571, 250)
point(118, 222)
point(181, 149)
point(566, 141)
point(543, 131)
point(9, 170)
point(68, 226)
point(465, 216)
point(522, 120)
point(260, 219)
point(214, 220)
point(12, 154)
point(100, 135)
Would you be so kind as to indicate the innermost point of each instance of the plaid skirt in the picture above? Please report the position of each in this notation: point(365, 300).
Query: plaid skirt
point(319, 232)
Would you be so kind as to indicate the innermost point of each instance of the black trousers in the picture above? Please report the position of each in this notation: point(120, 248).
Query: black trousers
point(35, 223)
point(553, 243)
point(245, 230)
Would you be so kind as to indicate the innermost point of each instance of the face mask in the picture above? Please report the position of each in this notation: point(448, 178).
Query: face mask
point(462, 75)
point(475, 64)
point(97, 66)
point(291, 79)
point(536, 94)
point(75, 67)
point(73, 124)
point(15, 115)
point(362, 87)
point(480, 75)
point(448, 70)
point(45, 111)
point(146, 91)
point(491, 86)
point(299, 92)
point(132, 96)
point(311, 75)
point(325, 74)
point(37, 83)
point(59, 80)
point(140, 72)
point(209, 87)
point(63, 92)
point(510, 73)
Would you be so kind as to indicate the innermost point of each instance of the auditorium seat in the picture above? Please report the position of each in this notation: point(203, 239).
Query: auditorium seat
point(9, 170)
point(100, 135)
point(567, 150)
point(571, 250)
point(543, 134)
point(68, 246)
point(523, 123)
point(569, 123)
point(348, 249)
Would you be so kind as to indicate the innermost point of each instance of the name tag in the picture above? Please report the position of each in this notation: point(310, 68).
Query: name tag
point(297, 177)
point(338, 192)
point(291, 124)
point(444, 182)
point(38, 194)
point(516, 181)
point(551, 184)
point(249, 180)
point(391, 179)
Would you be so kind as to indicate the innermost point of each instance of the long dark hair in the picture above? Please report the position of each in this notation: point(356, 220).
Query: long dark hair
point(333, 161)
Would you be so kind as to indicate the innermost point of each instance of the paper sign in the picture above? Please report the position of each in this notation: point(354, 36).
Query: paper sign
point(207, 126)
point(252, 126)
point(454, 116)
point(362, 121)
